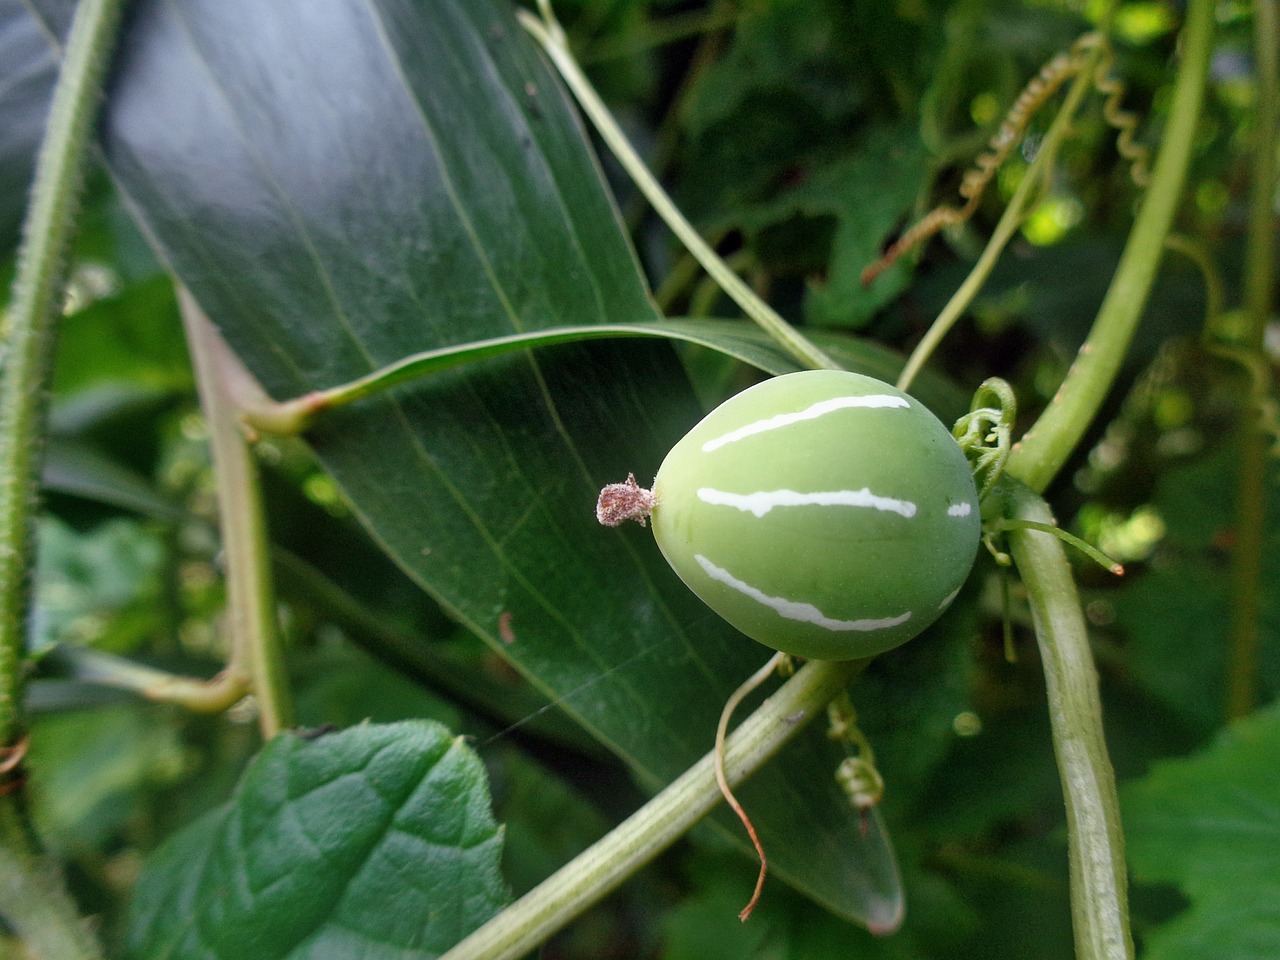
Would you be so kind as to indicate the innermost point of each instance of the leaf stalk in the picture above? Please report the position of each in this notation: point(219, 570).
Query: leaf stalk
point(226, 388)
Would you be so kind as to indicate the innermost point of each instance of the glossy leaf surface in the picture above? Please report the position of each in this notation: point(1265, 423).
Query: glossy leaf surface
point(343, 187)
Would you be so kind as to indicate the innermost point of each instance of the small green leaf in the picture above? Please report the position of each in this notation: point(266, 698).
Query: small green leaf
point(869, 194)
point(1210, 824)
point(374, 842)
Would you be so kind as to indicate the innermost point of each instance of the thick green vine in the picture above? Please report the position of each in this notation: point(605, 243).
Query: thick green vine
point(32, 898)
point(1042, 451)
point(32, 329)
point(1099, 899)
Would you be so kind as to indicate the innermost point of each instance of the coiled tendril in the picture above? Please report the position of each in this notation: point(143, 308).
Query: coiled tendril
point(1034, 95)
point(985, 433)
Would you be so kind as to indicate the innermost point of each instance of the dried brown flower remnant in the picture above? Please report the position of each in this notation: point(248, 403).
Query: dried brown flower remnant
point(624, 501)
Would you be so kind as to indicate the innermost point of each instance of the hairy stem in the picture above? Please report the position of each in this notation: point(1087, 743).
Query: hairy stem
point(33, 899)
point(1040, 454)
point(1259, 289)
point(659, 823)
point(1099, 899)
point(225, 390)
point(32, 325)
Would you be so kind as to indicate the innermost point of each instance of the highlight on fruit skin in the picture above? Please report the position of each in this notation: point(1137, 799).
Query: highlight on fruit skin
point(825, 514)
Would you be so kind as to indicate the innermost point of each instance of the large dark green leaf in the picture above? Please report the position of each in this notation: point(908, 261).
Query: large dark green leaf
point(1211, 824)
point(345, 184)
point(373, 842)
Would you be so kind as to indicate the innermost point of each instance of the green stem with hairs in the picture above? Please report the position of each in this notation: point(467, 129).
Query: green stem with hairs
point(594, 874)
point(1099, 901)
point(1040, 454)
point(32, 325)
point(550, 36)
point(33, 899)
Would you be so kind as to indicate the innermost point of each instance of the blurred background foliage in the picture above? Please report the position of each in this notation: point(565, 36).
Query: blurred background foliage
point(800, 136)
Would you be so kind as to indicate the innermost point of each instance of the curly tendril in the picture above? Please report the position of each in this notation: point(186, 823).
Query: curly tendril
point(1034, 95)
point(1124, 122)
point(857, 774)
point(1219, 341)
point(985, 433)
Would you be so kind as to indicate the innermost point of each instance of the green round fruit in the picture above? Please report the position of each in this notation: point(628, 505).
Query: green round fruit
point(825, 514)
